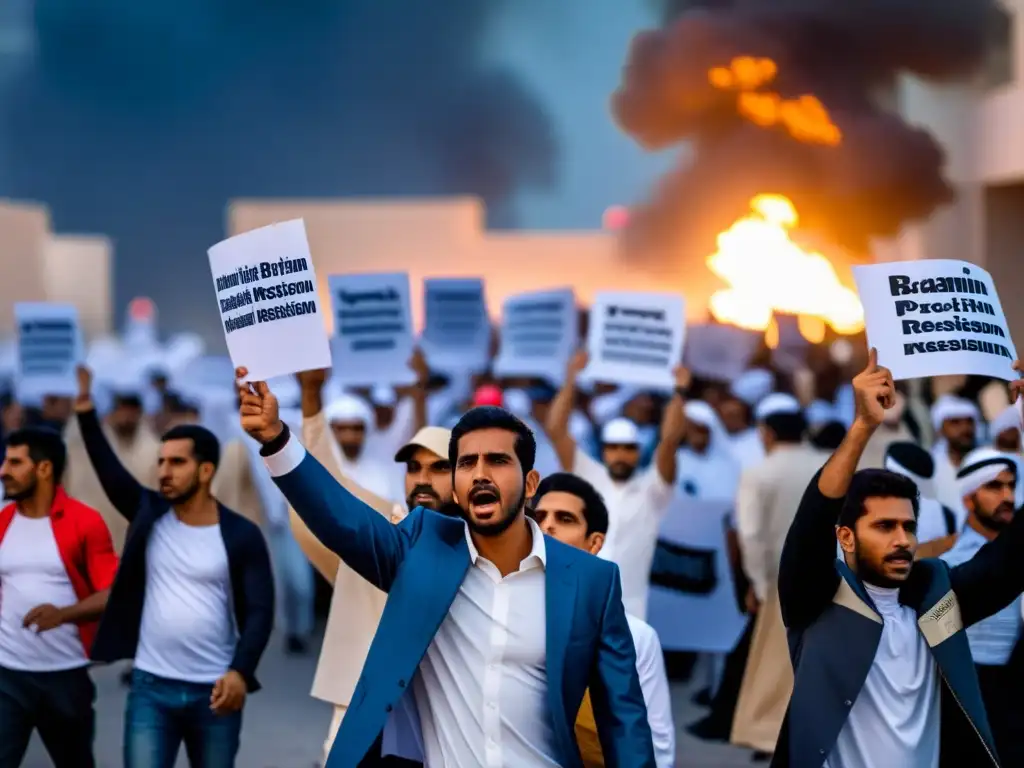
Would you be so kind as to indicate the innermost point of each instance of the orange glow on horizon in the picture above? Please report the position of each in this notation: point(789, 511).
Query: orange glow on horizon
point(766, 271)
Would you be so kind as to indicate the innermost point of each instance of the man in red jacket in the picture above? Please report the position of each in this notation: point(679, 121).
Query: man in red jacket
point(56, 567)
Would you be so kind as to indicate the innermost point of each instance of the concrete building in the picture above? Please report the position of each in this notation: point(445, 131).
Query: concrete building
point(981, 126)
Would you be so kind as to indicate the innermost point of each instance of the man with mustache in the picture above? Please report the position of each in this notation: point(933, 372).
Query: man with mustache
point(192, 603)
point(356, 604)
point(988, 481)
point(568, 508)
point(637, 499)
point(495, 629)
point(57, 563)
point(877, 640)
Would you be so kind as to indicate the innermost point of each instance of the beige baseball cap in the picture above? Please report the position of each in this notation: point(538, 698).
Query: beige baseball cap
point(434, 439)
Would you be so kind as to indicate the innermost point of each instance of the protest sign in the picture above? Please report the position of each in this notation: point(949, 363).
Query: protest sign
point(373, 339)
point(50, 346)
point(267, 297)
point(692, 599)
point(719, 352)
point(635, 338)
point(539, 332)
point(456, 329)
point(935, 317)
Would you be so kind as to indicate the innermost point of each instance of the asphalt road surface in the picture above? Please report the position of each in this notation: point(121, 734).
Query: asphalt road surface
point(284, 727)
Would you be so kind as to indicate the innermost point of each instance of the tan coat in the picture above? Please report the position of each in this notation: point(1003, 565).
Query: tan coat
point(766, 503)
point(233, 485)
point(356, 605)
point(139, 456)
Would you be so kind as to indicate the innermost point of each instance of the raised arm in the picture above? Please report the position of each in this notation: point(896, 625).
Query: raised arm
point(673, 428)
point(120, 485)
point(362, 537)
point(615, 692)
point(807, 574)
point(317, 439)
point(557, 423)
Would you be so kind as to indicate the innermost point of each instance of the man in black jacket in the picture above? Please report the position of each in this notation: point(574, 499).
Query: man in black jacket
point(877, 640)
point(192, 604)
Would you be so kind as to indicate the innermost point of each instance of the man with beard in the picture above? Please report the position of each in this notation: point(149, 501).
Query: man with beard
point(637, 499)
point(56, 567)
point(568, 508)
point(192, 604)
point(495, 629)
point(955, 421)
point(356, 604)
point(877, 639)
point(988, 481)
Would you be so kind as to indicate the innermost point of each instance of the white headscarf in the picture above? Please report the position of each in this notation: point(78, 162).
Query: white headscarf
point(983, 465)
point(371, 472)
point(714, 474)
point(1006, 419)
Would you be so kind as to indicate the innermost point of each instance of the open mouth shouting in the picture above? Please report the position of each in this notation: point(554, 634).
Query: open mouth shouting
point(484, 503)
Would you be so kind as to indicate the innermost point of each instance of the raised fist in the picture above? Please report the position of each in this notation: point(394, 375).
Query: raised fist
point(257, 408)
point(874, 391)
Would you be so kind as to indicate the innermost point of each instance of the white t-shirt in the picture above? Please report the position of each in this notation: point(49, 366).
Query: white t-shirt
point(650, 666)
point(635, 510)
point(895, 719)
point(188, 628)
point(33, 574)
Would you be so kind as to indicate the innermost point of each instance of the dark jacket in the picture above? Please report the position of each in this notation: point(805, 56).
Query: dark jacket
point(834, 630)
point(252, 582)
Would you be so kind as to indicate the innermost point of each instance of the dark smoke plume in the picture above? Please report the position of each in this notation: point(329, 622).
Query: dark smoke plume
point(883, 174)
point(141, 120)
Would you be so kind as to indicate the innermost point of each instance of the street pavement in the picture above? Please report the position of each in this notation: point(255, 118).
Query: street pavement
point(284, 727)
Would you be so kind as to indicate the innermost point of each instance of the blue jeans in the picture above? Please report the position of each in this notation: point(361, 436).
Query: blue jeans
point(162, 713)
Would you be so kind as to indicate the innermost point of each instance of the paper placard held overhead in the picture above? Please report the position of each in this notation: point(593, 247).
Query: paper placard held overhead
point(456, 329)
point(719, 352)
point(267, 297)
point(935, 317)
point(373, 338)
point(636, 338)
point(50, 346)
point(539, 332)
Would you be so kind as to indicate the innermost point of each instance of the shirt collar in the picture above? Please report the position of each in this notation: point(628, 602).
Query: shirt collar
point(538, 551)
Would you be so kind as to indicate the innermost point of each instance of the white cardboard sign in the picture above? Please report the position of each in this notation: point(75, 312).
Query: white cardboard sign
point(373, 339)
point(50, 346)
point(268, 301)
point(456, 329)
point(635, 338)
point(935, 317)
point(539, 332)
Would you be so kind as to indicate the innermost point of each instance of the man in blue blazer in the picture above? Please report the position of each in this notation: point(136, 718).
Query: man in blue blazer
point(495, 629)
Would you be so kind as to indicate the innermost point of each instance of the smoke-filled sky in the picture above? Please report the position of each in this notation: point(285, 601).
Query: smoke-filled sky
point(140, 120)
point(883, 174)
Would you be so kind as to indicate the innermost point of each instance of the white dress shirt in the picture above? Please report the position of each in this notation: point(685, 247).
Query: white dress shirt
point(481, 690)
point(635, 511)
point(650, 666)
point(482, 687)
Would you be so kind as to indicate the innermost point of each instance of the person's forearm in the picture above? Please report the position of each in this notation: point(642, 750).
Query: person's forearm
point(839, 469)
point(311, 402)
point(119, 485)
point(89, 609)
